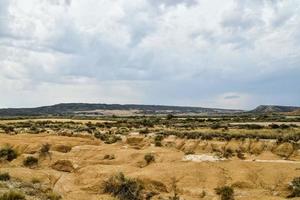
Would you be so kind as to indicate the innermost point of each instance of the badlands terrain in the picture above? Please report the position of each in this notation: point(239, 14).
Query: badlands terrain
point(150, 157)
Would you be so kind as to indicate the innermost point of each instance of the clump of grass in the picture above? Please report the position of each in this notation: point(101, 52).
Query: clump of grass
point(44, 151)
point(123, 188)
point(175, 190)
point(53, 196)
point(107, 138)
point(240, 155)
point(149, 158)
point(109, 157)
point(295, 188)
point(35, 181)
point(4, 176)
point(157, 140)
point(189, 152)
point(30, 161)
point(12, 195)
point(8, 153)
point(225, 192)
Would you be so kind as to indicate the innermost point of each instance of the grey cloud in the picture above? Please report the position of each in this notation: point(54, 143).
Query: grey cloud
point(173, 2)
point(167, 60)
point(232, 97)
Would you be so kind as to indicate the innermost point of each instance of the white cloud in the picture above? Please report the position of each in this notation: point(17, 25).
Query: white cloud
point(211, 46)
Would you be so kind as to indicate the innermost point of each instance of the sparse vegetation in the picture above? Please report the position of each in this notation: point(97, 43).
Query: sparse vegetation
point(4, 176)
point(44, 151)
point(149, 158)
point(8, 153)
point(12, 195)
point(109, 157)
point(53, 196)
point(174, 188)
point(123, 188)
point(295, 188)
point(30, 161)
point(198, 137)
point(225, 192)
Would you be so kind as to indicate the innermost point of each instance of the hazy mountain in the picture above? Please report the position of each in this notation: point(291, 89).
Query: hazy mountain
point(107, 109)
point(275, 108)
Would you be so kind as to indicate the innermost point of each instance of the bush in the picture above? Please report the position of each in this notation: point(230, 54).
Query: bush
point(30, 161)
point(12, 195)
point(149, 158)
point(53, 196)
point(123, 188)
point(4, 176)
point(174, 187)
point(157, 140)
point(240, 155)
point(8, 153)
point(225, 192)
point(295, 187)
point(45, 149)
point(35, 180)
point(109, 157)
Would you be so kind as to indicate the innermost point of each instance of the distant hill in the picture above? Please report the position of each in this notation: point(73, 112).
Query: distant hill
point(110, 109)
point(275, 109)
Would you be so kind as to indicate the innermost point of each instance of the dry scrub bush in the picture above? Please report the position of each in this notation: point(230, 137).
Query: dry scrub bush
point(8, 153)
point(12, 195)
point(123, 188)
point(225, 192)
point(45, 150)
point(175, 190)
point(149, 158)
point(4, 176)
point(295, 188)
point(30, 161)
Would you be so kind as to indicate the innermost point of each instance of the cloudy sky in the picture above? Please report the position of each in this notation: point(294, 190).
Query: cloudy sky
point(213, 53)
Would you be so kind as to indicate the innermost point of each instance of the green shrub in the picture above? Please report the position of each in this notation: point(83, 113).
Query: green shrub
point(295, 188)
point(123, 188)
point(149, 158)
point(225, 192)
point(12, 195)
point(30, 161)
point(4, 176)
point(157, 140)
point(8, 153)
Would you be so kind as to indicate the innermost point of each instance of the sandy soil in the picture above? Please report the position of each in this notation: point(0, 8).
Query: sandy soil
point(251, 180)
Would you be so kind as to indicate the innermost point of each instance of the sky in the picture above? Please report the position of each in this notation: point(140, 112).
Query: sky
point(208, 53)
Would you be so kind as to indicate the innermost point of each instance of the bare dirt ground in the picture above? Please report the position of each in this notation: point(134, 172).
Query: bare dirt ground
point(251, 178)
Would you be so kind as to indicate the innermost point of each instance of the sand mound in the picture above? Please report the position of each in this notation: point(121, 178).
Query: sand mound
point(63, 165)
point(284, 150)
point(62, 148)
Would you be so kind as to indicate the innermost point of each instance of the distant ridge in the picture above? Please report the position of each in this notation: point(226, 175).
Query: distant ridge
point(94, 109)
point(109, 109)
point(275, 109)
